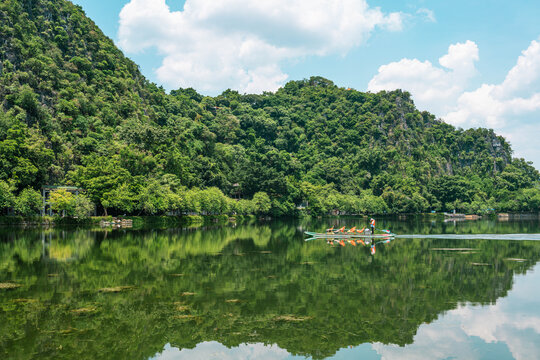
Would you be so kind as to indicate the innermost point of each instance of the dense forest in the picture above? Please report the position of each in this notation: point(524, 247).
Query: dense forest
point(75, 111)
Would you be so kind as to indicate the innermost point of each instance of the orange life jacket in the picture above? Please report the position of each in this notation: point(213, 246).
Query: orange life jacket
point(372, 222)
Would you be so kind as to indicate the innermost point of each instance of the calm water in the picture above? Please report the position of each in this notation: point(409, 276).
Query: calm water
point(460, 290)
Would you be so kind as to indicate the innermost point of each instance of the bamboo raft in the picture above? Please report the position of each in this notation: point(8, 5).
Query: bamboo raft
point(346, 235)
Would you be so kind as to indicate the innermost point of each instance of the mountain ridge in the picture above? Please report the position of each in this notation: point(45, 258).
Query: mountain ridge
point(76, 111)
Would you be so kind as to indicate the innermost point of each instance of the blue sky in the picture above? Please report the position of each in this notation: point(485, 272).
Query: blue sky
point(472, 63)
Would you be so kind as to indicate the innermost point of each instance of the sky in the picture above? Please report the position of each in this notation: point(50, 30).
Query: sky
point(472, 63)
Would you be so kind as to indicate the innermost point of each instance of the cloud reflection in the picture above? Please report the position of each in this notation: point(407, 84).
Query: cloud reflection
point(214, 350)
point(508, 329)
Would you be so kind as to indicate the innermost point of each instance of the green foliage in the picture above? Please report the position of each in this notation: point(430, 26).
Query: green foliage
point(82, 206)
point(261, 202)
point(155, 198)
point(62, 201)
point(28, 202)
point(75, 110)
point(70, 204)
point(7, 199)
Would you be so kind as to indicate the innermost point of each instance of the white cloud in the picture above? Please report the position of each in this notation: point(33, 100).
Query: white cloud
point(429, 15)
point(524, 140)
point(511, 107)
point(432, 87)
point(460, 59)
point(496, 105)
point(240, 44)
point(525, 75)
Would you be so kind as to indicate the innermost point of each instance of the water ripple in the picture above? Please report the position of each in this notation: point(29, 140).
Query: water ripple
point(474, 236)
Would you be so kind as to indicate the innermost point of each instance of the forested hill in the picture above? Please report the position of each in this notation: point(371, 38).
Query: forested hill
point(75, 111)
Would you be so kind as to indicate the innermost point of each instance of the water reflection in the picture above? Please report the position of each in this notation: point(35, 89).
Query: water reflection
point(509, 329)
point(125, 294)
point(213, 350)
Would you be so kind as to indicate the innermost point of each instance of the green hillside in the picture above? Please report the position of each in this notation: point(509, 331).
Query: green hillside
point(75, 111)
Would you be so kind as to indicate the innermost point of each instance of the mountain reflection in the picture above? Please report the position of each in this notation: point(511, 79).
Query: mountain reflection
point(124, 294)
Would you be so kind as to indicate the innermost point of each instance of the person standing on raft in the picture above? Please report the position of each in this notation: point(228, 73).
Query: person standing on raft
point(372, 225)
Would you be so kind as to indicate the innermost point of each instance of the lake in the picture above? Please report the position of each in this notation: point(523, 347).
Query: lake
point(458, 289)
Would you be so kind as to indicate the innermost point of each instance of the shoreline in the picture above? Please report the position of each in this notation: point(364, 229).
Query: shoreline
point(164, 221)
point(136, 221)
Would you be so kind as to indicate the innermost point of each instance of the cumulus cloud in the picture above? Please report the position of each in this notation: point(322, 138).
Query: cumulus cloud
point(495, 105)
point(213, 45)
point(511, 107)
point(433, 87)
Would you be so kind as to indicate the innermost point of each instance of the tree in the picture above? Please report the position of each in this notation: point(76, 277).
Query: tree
point(123, 198)
point(28, 202)
point(75, 110)
point(529, 200)
point(100, 176)
point(7, 198)
point(262, 203)
point(63, 201)
point(82, 206)
point(78, 206)
point(154, 198)
point(449, 189)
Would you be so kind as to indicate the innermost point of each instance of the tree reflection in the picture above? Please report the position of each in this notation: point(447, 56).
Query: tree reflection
point(124, 294)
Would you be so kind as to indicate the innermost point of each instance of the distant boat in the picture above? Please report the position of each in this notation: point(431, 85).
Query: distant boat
point(462, 216)
point(454, 215)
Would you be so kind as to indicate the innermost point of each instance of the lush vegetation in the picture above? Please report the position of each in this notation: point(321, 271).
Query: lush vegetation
point(249, 284)
point(75, 111)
